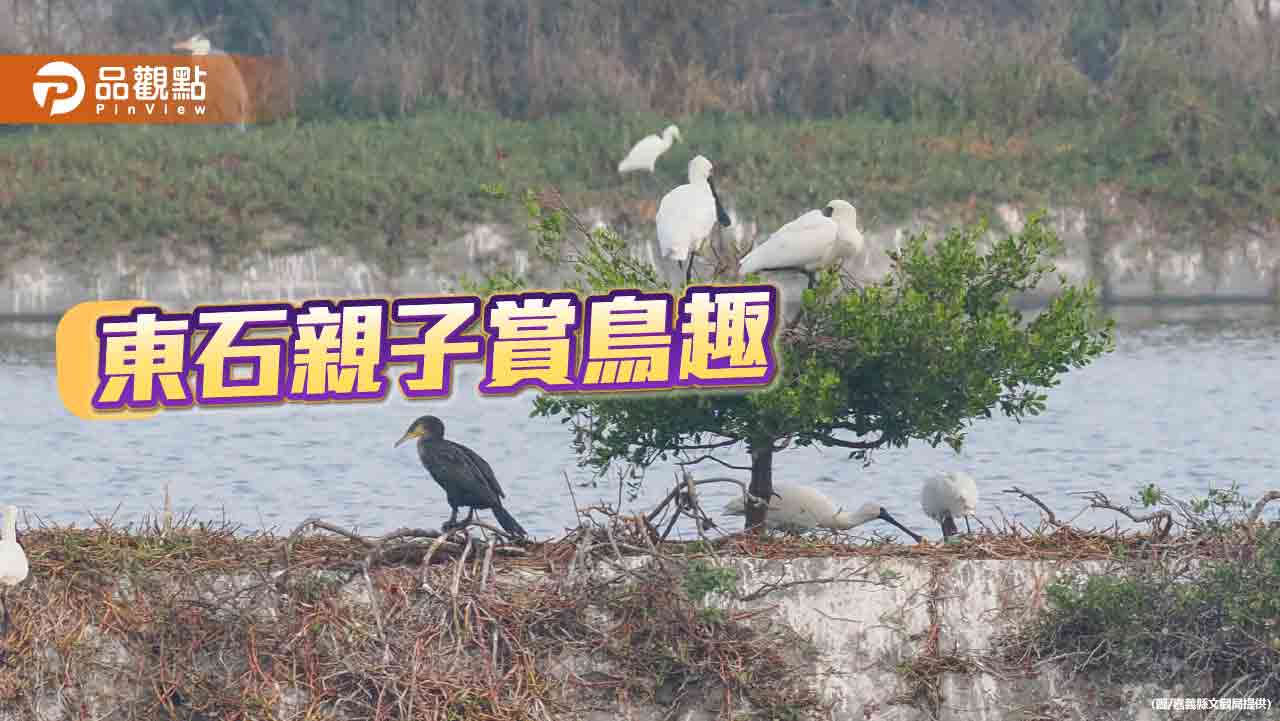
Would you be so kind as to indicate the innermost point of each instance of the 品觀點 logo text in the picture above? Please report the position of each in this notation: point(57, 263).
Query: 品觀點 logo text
point(150, 90)
point(132, 89)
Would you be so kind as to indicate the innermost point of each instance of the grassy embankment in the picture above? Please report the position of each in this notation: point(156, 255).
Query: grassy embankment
point(893, 106)
point(382, 188)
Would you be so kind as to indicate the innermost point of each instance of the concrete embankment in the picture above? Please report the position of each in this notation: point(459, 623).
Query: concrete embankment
point(203, 625)
point(1120, 250)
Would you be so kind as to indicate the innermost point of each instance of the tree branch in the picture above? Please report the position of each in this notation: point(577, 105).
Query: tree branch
point(675, 492)
point(847, 427)
point(709, 457)
point(1101, 502)
point(857, 575)
point(706, 446)
point(1018, 491)
point(855, 445)
point(1267, 497)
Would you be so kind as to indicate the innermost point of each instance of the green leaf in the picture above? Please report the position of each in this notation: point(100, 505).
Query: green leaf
point(920, 355)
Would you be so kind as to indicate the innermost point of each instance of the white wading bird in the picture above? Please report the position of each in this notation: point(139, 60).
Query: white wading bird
point(13, 565)
point(813, 241)
point(687, 214)
point(803, 508)
point(236, 104)
point(949, 495)
point(645, 153)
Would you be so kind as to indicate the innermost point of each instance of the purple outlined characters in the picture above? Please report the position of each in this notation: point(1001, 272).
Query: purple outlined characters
point(726, 335)
point(531, 341)
point(142, 360)
point(440, 342)
point(226, 348)
point(326, 351)
point(627, 342)
point(338, 353)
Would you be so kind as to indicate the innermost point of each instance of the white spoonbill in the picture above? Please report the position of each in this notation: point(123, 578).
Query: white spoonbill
point(687, 214)
point(645, 153)
point(814, 240)
point(13, 563)
point(949, 495)
point(803, 508)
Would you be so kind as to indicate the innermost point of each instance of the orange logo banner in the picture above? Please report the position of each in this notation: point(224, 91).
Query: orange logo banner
point(138, 89)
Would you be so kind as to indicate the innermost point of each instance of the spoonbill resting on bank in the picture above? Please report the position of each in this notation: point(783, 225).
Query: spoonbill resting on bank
point(645, 153)
point(687, 214)
point(813, 241)
point(949, 495)
point(13, 565)
point(803, 508)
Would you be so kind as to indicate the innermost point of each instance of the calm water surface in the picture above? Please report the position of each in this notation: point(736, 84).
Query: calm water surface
point(1189, 400)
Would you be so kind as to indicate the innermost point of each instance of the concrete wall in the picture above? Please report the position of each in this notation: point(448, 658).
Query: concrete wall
point(1130, 260)
point(875, 635)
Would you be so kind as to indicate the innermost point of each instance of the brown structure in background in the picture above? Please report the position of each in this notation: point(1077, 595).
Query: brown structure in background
point(227, 94)
point(249, 89)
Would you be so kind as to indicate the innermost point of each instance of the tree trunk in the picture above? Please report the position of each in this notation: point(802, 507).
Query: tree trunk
point(761, 486)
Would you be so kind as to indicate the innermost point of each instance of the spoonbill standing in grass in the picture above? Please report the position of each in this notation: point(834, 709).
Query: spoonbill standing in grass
point(687, 214)
point(645, 153)
point(13, 565)
point(949, 495)
point(813, 241)
point(803, 508)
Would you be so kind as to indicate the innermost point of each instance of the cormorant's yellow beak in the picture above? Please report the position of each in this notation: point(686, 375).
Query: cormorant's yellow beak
point(408, 436)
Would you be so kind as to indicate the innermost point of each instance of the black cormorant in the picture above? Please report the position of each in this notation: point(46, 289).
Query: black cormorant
point(466, 478)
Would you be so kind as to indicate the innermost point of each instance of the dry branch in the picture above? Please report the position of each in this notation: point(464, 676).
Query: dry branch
point(1053, 519)
point(850, 576)
point(1262, 502)
point(1161, 521)
point(223, 624)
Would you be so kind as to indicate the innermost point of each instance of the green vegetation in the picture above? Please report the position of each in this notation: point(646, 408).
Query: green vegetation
point(1204, 607)
point(394, 124)
point(386, 190)
point(407, 183)
point(702, 578)
point(918, 356)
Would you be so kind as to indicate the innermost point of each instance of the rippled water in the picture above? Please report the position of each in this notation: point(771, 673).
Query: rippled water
point(1189, 400)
